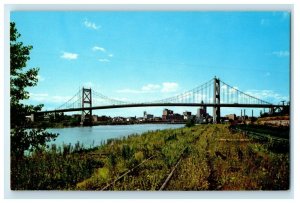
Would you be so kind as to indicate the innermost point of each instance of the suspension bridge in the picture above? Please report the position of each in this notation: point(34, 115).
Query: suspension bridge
point(214, 93)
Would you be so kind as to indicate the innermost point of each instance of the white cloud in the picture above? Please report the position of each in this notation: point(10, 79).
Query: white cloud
point(96, 48)
point(38, 96)
point(267, 95)
point(46, 98)
point(104, 60)
point(124, 99)
point(281, 53)
point(40, 78)
point(110, 55)
point(233, 90)
point(169, 87)
point(185, 96)
point(97, 100)
point(150, 87)
point(224, 87)
point(90, 25)
point(127, 90)
point(226, 90)
point(69, 56)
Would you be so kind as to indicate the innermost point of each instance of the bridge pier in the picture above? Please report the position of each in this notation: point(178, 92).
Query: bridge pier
point(216, 108)
point(86, 115)
point(271, 111)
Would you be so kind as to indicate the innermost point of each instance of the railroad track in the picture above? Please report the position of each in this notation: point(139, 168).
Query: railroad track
point(263, 137)
point(167, 180)
point(143, 162)
point(169, 176)
point(126, 173)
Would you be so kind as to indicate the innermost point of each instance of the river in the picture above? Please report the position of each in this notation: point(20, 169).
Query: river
point(95, 135)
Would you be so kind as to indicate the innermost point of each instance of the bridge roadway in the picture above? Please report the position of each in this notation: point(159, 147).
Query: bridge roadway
point(161, 104)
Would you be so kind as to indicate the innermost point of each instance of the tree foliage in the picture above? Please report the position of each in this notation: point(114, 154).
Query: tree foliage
point(191, 122)
point(22, 138)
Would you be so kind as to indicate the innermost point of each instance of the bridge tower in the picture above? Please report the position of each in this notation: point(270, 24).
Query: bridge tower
point(216, 109)
point(86, 116)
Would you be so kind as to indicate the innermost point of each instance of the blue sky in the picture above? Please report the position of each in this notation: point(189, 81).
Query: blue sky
point(145, 56)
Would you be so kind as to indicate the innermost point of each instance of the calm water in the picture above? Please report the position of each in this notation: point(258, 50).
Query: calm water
point(93, 136)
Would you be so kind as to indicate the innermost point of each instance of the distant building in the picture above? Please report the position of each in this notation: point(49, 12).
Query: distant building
point(187, 115)
point(177, 117)
point(167, 112)
point(95, 118)
point(140, 119)
point(157, 119)
point(231, 117)
point(103, 118)
point(164, 117)
point(167, 115)
point(202, 115)
point(149, 116)
point(201, 112)
point(119, 119)
point(129, 119)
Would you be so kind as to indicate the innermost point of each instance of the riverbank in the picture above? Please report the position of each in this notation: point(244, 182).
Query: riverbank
point(70, 125)
point(97, 135)
point(196, 158)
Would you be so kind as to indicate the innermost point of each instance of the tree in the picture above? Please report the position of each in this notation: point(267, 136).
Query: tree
point(190, 122)
point(23, 138)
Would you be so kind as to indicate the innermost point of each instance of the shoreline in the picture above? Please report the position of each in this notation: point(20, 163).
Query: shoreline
point(60, 125)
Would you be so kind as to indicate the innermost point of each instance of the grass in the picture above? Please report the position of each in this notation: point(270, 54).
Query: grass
point(59, 168)
point(143, 162)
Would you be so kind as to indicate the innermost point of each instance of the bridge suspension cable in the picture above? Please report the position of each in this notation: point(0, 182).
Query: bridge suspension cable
point(101, 99)
point(204, 93)
point(198, 94)
point(233, 95)
point(74, 102)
